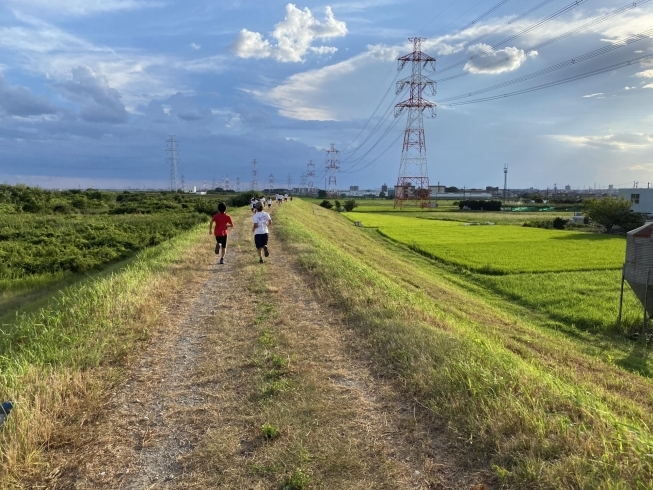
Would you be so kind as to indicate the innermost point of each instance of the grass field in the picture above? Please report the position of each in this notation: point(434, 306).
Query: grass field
point(545, 408)
point(500, 249)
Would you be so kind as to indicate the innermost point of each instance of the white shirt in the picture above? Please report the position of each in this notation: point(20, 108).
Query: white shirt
point(269, 201)
point(261, 219)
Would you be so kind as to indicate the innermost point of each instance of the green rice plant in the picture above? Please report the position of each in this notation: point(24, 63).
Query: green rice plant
point(500, 249)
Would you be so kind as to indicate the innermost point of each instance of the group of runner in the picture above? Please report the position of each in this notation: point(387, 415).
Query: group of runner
point(260, 225)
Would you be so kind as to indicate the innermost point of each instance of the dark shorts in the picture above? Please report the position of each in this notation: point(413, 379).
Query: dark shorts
point(261, 240)
point(222, 240)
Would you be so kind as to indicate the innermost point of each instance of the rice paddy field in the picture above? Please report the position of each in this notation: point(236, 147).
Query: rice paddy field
point(498, 249)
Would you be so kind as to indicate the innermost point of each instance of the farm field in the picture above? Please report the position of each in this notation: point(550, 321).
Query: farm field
point(500, 249)
point(550, 407)
point(503, 218)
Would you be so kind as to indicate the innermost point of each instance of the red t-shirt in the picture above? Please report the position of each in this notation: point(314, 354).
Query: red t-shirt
point(221, 221)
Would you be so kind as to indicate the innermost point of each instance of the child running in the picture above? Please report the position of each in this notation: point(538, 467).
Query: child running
point(222, 221)
point(261, 222)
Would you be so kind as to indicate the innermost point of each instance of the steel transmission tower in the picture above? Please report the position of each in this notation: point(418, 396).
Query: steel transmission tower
point(289, 182)
point(302, 183)
point(183, 183)
point(271, 182)
point(505, 182)
point(227, 186)
point(413, 181)
point(310, 175)
point(332, 167)
point(237, 184)
point(254, 175)
point(173, 160)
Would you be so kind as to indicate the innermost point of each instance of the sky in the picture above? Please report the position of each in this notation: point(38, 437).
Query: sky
point(90, 90)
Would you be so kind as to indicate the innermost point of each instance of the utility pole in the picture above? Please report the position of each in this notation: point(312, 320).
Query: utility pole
point(310, 175)
point(413, 181)
point(332, 167)
point(505, 182)
point(173, 153)
point(254, 174)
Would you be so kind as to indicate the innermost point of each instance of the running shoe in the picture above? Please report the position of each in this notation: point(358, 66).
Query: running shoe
point(265, 251)
point(222, 261)
point(260, 261)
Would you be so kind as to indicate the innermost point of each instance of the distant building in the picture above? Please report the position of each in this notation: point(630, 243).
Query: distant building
point(567, 188)
point(438, 189)
point(384, 189)
point(353, 187)
point(641, 199)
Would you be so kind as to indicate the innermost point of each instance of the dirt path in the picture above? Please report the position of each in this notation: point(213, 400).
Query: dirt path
point(248, 345)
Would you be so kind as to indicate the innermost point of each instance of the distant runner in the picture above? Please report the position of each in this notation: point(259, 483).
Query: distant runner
point(222, 221)
point(269, 202)
point(261, 222)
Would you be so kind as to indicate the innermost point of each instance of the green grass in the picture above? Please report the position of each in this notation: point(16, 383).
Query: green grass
point(588, 300)
point(37, 248)
point(500, 249)
point(544, 408)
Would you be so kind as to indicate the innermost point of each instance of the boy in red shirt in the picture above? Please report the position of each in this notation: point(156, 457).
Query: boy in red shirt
point(222, 221)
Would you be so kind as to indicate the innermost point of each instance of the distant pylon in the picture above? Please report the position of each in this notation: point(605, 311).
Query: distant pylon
point(183, 183)
point(289, 181)
point(332, 167)
point(271, 182)
point(237, 184)
point(505, 182)
point(413, 181)
point(227, 186)
point(173, 153)
point(310, 176)
point(204, 186)
point(214, 184)
point(254, 175)
point(302, 183)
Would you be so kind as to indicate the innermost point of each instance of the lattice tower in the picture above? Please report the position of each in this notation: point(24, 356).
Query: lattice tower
point(332, 167)
point(413, 181)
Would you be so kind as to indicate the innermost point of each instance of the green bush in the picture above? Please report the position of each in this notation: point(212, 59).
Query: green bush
point(476, 205)
point(560, 223)
point(326, 204)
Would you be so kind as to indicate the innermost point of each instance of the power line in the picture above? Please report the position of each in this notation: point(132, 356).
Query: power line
point(528, 29)
point(570, 62)
point(555, 39)
point(592, 73)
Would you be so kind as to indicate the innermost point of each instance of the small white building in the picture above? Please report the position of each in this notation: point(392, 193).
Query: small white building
point(641, 199)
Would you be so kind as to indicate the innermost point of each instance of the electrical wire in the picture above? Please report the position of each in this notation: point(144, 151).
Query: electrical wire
point(574, 78)
point(510, 22)
point(570, 62)
point(528, 29)
point(564, 35)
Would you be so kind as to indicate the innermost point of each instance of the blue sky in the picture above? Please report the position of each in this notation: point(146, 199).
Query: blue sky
point(91, 89)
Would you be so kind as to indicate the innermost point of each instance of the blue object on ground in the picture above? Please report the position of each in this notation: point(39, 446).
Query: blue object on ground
point(5, 409)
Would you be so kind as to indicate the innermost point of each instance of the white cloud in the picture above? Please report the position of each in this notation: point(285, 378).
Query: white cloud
point(44, 49)
point(84, 7)
point(315, 94)
point(644, 74)
point(294, 37)
point(512, 58)
point(324, 50)
point(195, 46)
point(592, 95)
point(622, 141)
point(629, 88)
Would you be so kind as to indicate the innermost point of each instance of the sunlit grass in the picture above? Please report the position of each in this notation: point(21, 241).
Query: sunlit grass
point(500, 249)
point(533, 402)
